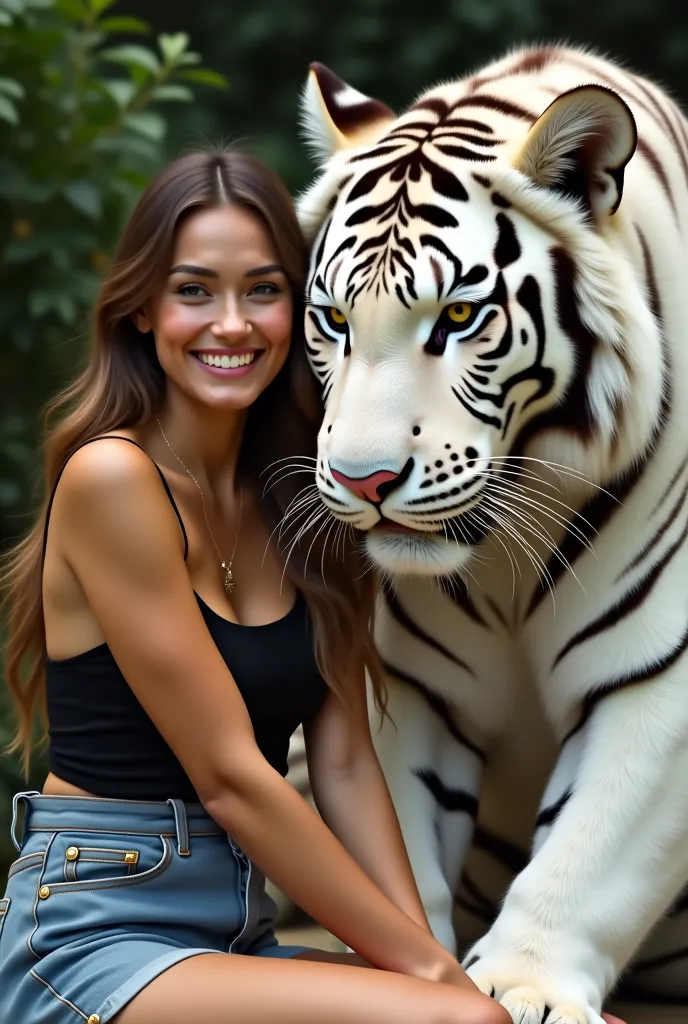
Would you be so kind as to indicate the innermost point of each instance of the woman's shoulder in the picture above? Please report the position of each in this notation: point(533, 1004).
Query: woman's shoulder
point(110, 461)
point(111, 492)
point(111, 477)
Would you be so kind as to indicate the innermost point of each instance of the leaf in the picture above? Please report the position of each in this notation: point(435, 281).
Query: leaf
point(98, 6)
point(23, 250)
point(65, 307)
point(134, 55)
point(204, 76)
point(14, 6)
point(128, 145)
point(173, 92)
point(8, 111)
point(134, 178)
point(122, 91)
point(12, 88)
point(52, 301)
point(85, 197)
point(40, 303)
point(124, 24)
point(173, 46)
point(74, 10)
point(148, 124)
point(188, 57)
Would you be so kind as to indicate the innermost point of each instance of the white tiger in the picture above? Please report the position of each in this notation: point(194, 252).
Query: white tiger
point(497, 312)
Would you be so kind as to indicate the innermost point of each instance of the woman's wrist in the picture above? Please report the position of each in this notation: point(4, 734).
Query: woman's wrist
point(446, 970)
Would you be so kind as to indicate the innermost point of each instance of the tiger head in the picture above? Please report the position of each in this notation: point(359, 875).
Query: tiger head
point(465, 309)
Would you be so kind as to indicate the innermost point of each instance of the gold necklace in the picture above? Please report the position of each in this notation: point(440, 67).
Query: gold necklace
point(229, 581)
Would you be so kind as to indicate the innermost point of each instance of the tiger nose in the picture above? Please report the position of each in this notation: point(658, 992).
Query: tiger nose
point(366, 487)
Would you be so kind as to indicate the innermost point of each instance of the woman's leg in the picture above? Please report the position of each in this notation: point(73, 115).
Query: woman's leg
point(233, 989)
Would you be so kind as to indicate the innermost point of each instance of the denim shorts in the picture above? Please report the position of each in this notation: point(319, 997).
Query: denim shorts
point(107, 894)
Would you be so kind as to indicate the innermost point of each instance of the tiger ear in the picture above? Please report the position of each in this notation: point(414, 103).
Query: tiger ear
point(336, 116)
point(580, 146)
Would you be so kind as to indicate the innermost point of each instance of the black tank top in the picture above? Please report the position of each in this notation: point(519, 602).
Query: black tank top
point(103, 741)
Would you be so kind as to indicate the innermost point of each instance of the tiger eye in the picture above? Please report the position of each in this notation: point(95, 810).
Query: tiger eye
point(460, 312)
point(337, 315)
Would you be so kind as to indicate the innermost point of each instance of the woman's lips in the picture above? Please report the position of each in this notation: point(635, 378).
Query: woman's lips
point(226, 363)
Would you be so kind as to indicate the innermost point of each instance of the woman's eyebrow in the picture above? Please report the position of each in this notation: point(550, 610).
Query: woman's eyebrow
point(187, 268)
point(271, 268)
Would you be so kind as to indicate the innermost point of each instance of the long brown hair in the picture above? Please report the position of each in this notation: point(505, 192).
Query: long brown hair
point(123, 387)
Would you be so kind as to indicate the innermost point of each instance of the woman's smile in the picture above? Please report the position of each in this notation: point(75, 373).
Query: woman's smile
point(223, 362)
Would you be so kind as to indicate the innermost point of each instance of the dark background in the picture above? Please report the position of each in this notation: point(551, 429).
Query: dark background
point(63, 197)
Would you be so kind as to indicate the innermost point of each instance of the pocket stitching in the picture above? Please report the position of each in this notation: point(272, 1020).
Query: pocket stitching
point(36, 899)
point(57, 995)
point(56, 888)
point(99, 849)
point(27, 861)
point(70, 871)
point(4, 907)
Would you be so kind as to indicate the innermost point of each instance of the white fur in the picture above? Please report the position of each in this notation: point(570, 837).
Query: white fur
point(605, 871)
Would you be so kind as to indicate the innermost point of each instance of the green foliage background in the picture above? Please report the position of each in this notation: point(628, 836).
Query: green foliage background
point(82, 129)
point(95, 97)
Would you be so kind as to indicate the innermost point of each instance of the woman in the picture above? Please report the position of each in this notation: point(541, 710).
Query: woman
point(179, 649)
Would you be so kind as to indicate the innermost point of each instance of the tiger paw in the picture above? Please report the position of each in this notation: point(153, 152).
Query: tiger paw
point(530, 1001)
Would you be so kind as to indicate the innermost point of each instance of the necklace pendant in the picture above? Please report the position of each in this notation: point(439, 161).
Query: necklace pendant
point(229, 581)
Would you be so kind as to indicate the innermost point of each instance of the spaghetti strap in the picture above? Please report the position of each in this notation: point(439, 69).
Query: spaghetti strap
point(112, 437)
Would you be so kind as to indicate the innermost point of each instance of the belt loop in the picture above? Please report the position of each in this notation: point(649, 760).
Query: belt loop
point(18, 843)
point(181, 824)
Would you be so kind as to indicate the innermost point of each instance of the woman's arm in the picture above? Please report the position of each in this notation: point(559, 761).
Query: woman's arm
point(122, 542)
point(351, 795)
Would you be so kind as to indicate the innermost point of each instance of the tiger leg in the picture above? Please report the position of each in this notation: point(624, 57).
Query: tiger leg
point(614, 857)
point(434, 782)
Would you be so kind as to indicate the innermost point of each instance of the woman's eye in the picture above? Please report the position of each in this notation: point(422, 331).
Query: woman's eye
point(192, 291)
point(459, 312)
point(265, 288)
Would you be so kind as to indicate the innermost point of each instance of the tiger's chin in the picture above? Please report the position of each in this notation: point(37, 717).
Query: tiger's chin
point(412, 553)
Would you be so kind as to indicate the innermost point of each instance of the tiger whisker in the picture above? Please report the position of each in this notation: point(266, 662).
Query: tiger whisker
point(494, 535)
point(281, 524)
point(464, 570)
point(287, 458)
point(309, 525)
point(530, 552)
point(557, 469)
point(306, 509)
point(286, 473)
point(294, 515)
point(523, 518)
point(333, 524)
point(531, 503)
point(329, 523)
point(499, 476)
point(299, 499)
point(544, 536)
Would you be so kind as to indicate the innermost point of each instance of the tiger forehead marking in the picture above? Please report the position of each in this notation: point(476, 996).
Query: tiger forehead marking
point(462, 293)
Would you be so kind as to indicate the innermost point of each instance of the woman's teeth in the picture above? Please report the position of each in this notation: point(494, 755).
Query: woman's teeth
point(226, 362)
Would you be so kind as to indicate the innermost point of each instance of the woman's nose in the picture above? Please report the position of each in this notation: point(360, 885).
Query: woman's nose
point(231, 323)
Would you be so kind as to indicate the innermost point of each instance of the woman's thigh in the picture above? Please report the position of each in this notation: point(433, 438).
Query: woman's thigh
point(235, 989)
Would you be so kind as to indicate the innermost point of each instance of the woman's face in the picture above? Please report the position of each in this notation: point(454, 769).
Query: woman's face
point(222, 321)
